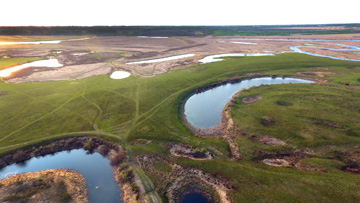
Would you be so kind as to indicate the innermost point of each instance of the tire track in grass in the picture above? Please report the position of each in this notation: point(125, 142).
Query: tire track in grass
point(42, 117)
point(147, 183)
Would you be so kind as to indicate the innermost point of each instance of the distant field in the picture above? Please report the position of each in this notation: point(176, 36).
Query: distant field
point(259, 30)
point(148, 108)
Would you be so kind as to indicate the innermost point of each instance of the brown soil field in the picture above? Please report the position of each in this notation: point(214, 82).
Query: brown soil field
point(116, 51)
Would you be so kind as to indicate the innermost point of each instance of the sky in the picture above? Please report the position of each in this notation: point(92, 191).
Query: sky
point(176, 12)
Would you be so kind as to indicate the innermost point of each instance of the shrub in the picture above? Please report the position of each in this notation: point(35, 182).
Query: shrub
point(103, 150)
point(118, 158)
point(20, 156)
point(89, 145)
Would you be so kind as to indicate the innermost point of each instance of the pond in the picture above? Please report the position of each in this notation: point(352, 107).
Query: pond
point(95, 168)
point(195, 198)
point(204, 110)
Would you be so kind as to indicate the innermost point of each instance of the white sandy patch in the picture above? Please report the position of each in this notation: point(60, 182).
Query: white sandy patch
point(216, 58)
point(163, 59)
point(79, 54)
point(51, 63)
point(249, 43)
point(120, 75)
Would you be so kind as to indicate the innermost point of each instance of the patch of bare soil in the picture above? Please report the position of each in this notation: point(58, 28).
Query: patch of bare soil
point(180, 150)
point(137, 49)
point(318, 74)
point(140, 142)
point(54, 185)
point(64, 73)
point(179, 173)
point(271, 141)
point(277, 162)
point(250, 100)
point(2, 93)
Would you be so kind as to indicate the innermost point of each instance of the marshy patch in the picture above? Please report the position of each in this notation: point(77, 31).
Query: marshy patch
point(180, 150)
point(349, 84)
point(326, 123)
point(250, 100)
point(283, 103)
point(318, 74)
point(267, 121)
point(353, 132)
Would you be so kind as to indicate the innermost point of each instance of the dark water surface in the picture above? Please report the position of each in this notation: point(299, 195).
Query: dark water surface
point(195, 198)
point(203, 110)
point(95, 168)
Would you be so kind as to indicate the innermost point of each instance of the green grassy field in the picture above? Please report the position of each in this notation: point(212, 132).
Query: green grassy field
point(148, 108)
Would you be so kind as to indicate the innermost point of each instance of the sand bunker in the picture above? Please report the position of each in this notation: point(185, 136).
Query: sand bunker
point(119, 75)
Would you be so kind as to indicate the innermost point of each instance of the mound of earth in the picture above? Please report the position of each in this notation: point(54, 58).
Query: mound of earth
point(54, 185)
